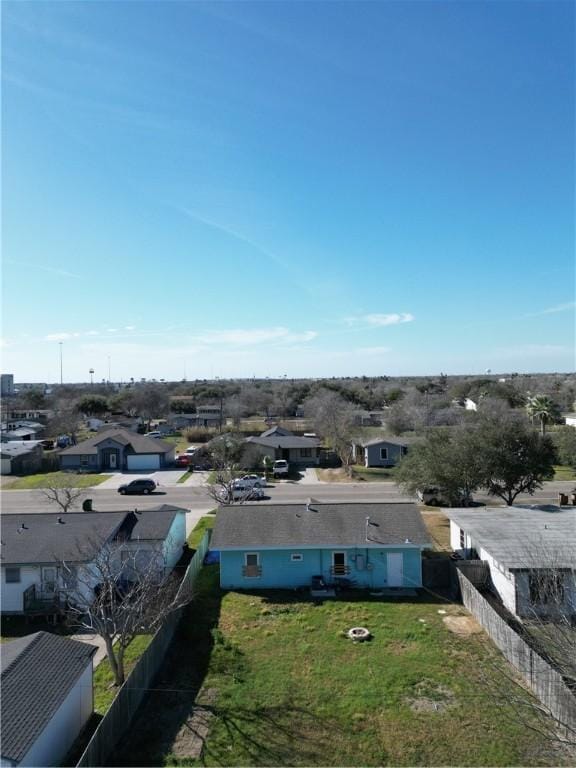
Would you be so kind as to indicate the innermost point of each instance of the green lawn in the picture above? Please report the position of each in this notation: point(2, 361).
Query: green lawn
point(70, 479)
point(184, 477)
point(564, 473)
point(287, 688)
point(199, 530)
point(104, 689)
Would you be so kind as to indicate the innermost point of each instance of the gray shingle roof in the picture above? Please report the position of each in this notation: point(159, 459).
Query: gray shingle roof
point(17, 448)
point(38, 672)
point(520, 537)
point(285, 441)
point(322, 525)
point(40, 538)
point(154, 524)
point(139, 443)
point(402, 441)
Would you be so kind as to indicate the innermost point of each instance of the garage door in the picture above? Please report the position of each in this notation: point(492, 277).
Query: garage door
point(144, 461)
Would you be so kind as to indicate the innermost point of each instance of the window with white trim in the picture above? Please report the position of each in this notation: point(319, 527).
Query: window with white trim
point(383, 454)
point(296, 557)
point(252, 569)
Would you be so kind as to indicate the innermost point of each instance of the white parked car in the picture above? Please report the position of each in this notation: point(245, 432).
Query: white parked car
point(254, 481)
point(280, 468)
point(191, 450)
point(241, 492)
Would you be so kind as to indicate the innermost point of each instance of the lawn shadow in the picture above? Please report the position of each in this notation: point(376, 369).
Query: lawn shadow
point(172, 697)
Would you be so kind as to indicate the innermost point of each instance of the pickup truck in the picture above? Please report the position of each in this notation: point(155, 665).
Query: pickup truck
point(280, 468)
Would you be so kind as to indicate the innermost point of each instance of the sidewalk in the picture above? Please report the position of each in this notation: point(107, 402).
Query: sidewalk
point(196, 480)
point(310, 477)
point(92, 639)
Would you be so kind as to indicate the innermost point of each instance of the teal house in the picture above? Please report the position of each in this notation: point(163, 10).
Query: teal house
point(287, 546)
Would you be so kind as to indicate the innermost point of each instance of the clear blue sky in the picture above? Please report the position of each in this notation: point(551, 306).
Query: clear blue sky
point(270, 188)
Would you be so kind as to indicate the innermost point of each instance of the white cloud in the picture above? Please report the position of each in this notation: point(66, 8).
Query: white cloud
point(378, 320)
point(250, 336)
point(61, 336)
point(112, 330)
point(129, 327)
point(553, 310)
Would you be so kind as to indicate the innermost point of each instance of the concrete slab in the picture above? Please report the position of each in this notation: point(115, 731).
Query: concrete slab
point(310, 477)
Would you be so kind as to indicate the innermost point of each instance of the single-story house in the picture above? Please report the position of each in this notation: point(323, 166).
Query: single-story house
point(530, 553)
point(13, 424)
point(380, 451)
point(47, 697)
point(368, 418)
point(41, 415)
point(280, 443)
point(570, 419)
point(286, 545)
point(19, 457)
point(35, 547)
point(118, 449)
point(205, 416)
point(22, 433)
point(159, 534)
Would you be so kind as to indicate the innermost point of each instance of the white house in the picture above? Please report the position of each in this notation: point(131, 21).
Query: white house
point(530, 552)
point(47, 698)
point(570, 419)
point(49, 558)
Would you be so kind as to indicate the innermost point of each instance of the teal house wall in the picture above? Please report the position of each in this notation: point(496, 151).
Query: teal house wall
point(279, 570)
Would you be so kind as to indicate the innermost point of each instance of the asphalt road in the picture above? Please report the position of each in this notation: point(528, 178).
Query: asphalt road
point(198, 501)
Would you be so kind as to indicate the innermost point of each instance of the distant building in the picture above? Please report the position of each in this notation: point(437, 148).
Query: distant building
point(6, 384)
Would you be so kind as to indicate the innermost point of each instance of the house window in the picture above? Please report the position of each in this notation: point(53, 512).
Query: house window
point(296, 557)
point(306, 452)
point(383, 454)
point(462, 539)
point(403, 450)
point(252, 568)
point(12, 575)
point(84, 461)
point(546, 587)
point(69, 577)
point(339, 566)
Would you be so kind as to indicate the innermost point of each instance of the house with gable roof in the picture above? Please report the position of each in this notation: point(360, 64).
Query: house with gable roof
point(280, 443)
point(118, 449)
point(287, 546)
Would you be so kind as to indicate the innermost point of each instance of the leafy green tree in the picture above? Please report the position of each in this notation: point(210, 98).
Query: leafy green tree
point(544, 409)
point(446, 460)
point(565, 441)
point(92, 405)
point(515, 458)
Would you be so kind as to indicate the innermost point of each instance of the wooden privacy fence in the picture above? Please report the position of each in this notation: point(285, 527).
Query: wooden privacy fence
point(116, 721)
point(545, 681)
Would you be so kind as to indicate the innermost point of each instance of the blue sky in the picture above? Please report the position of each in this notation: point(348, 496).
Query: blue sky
point(270, 188)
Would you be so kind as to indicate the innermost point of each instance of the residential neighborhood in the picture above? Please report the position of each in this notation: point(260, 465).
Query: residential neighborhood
point(288, 384)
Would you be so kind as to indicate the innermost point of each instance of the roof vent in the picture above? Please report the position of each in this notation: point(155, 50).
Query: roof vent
point(407, 541)
point(60, 521)
point(23, 527)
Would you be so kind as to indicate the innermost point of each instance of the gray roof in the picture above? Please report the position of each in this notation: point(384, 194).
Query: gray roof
point(285, 441)
point(40, 538)
point(279, 526)
point(521, 537)
point(139, 443)
point(38, 672)
point(154, 524)
point(276, 430)
point(401, 441)
point(18, 434)
point(14, 448)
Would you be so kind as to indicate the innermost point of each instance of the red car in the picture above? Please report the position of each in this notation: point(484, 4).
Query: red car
point(182, 460)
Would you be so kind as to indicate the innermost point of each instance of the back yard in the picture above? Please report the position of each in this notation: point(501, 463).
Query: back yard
point(280, 684)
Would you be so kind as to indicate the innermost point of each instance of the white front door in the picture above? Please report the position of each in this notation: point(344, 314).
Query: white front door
point(395, 562)
point(113, 461)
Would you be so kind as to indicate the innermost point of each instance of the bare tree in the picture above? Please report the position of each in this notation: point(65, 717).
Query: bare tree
point(231, 457)
point(333, 419)
point(122, 593)
point(63, 494)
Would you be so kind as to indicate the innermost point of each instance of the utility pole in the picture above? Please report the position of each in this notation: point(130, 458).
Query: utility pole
point(108, 369)
point(61, 376)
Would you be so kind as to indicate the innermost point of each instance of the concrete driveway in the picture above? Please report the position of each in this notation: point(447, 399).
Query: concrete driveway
point(165, 477)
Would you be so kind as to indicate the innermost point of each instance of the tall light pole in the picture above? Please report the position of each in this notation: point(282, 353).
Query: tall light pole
point(109, 369)
point(61, 376)
point(91, 372)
